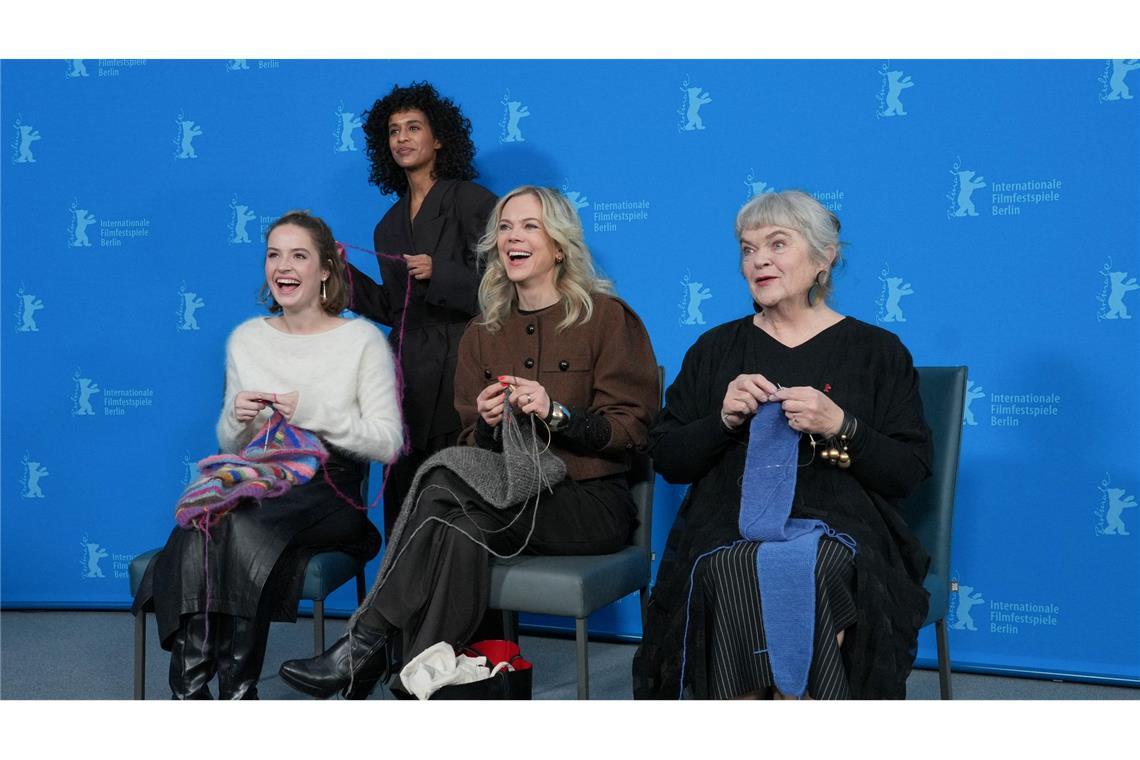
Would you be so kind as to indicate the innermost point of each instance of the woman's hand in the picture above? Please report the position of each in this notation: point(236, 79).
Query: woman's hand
point(810, 411)
point(528, 396)
point(489, 404)
point(744, 396)
point(247, 405)
point(286, 403)
point(419, 265)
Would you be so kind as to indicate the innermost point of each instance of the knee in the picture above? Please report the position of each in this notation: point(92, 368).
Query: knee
point(438, 476)
point(441, 490)
point(443, 495)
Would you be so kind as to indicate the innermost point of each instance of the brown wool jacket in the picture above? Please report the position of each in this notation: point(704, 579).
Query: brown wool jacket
point(605, 367)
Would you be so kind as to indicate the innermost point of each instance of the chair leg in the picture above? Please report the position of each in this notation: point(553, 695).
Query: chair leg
point(360, 586)
point(318, 627)
point(511, 625)
point(140, 655)
point(582, 638)
point(943, 659)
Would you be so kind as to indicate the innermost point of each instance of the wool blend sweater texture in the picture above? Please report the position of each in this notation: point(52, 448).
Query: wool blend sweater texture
point(345, 379)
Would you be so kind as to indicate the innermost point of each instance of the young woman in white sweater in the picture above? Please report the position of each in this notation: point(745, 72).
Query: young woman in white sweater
point(332, 376)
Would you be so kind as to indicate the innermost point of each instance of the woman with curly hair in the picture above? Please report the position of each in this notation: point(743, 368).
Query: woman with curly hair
point(420, 147)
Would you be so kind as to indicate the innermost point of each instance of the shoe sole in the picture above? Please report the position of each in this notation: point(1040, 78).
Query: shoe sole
point(304, 687)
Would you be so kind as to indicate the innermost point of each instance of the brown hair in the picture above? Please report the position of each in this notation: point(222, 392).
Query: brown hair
point(336, 286)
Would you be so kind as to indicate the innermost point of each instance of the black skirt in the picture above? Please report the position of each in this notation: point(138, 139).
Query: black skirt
point(726, 595)
point(253, 561)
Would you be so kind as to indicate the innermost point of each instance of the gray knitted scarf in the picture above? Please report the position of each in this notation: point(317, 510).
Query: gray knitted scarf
point(503, 480)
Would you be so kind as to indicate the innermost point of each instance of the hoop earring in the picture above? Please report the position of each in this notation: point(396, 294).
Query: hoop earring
point(324, 296)
point(813, 291)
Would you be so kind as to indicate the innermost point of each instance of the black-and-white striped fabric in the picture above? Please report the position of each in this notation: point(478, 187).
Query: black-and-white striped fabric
point(737, 658)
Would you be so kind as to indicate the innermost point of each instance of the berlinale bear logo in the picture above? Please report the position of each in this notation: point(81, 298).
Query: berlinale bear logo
point(85, 388)
point(92, 553)
point(1114, 86)
point(189, 304)
point(81, 219)
point(33, 473)
point(514, 111)
point(972, 393)
point(690, 111)
point(241, 217)
point(893, 84)
point(26, 134)
point(345, 123)
point(890, 294)
point(967, 184)
point(1120, 285)
point(967, 600)
point(1113, 502)
point(756, 186)
point(695, 294)
point(187, 131)
point(26, 313)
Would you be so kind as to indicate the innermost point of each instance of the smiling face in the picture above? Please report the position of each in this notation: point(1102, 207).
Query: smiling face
point(778, 264)
point(411, 140)
point(293, 268)
point(526, 251)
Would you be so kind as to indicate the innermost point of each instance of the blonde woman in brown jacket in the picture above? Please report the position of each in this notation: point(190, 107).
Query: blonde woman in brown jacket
point(552, 343)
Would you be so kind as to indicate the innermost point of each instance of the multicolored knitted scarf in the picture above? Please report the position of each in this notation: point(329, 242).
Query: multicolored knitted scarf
point(279, 457)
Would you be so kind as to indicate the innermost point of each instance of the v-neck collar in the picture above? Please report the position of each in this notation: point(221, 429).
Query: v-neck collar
point(807, 342)
point(429, 209)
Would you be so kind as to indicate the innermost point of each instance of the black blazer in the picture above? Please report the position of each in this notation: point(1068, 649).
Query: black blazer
point(448, 226)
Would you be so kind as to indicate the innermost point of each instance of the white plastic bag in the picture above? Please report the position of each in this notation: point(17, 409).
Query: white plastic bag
point(438, 666)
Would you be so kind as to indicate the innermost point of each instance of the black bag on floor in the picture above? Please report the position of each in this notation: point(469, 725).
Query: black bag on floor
point(515, 681)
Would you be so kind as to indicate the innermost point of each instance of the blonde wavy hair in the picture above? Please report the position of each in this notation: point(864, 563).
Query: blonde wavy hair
point(575, 276)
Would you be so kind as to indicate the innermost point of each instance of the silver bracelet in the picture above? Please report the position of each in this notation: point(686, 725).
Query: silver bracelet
point(559, 416)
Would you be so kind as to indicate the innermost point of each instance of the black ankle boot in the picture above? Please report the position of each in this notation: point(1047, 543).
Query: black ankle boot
point(192, 657)
point(241, 652)
point(352, 666)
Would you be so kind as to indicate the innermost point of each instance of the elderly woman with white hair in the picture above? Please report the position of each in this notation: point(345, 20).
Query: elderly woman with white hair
point(801, 409)
point(555, 351)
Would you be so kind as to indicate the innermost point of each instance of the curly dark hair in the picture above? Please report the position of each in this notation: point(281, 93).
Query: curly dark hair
point(455, 159)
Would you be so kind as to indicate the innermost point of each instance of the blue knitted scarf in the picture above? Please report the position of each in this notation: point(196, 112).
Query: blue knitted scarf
point(785, 561)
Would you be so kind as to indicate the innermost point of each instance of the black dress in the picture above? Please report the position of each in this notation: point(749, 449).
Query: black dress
point(868, 373)
point(448, 226)
point(257, 554)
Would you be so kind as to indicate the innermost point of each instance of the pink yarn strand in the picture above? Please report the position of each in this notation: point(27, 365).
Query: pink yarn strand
point(407, 446)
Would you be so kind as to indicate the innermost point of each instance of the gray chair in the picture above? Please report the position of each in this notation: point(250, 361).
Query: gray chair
point(579, 586)
point(929, 511)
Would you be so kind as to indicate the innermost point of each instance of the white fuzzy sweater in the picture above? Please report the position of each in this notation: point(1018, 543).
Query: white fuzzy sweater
point(345, 377)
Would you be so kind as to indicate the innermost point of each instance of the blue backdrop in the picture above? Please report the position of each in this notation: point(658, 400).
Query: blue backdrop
point(991, 210)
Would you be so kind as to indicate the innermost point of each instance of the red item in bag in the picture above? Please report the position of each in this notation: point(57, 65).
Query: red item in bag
point(497, 651)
